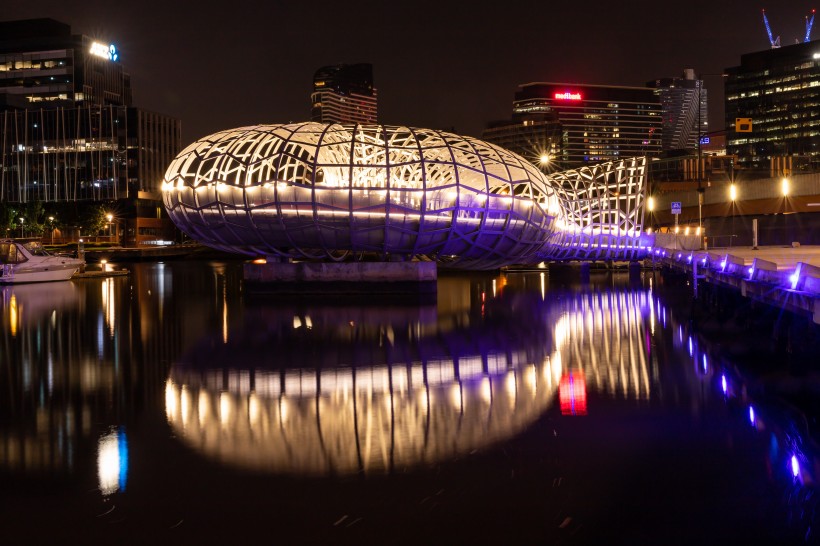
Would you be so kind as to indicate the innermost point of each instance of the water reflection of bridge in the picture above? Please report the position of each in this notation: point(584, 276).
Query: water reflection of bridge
point(426, 398)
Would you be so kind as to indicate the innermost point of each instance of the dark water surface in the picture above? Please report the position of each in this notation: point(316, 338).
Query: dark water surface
point(171, 407)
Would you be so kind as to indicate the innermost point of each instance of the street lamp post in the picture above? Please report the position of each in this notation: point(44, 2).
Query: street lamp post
point(700, 133)
point(732, 196)
point(22, 223)
point(109, 217)
point(784, 187)
point(51, 222)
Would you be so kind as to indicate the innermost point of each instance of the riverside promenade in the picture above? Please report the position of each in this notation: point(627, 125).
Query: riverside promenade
point(784, 277)
point(785, 257)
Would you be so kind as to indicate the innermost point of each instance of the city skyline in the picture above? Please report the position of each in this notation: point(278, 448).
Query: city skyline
point(436, 65)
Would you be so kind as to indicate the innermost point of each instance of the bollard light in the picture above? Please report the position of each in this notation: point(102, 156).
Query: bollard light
point(784, 186)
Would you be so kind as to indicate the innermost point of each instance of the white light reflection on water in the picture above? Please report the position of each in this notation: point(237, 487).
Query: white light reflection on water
point(375, 417)
point(112, 461)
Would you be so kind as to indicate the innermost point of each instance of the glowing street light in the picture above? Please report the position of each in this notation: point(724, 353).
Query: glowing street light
point(110, 217)
point(544, 159)
point(784, 187)
point(733, 197)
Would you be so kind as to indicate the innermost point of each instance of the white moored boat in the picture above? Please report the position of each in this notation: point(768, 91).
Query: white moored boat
point(30, 263)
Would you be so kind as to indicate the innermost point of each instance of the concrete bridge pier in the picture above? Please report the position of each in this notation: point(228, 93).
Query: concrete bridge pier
point(585, 267)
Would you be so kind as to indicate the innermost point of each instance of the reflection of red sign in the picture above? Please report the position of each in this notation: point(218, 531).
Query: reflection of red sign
point(568, 96)
point(572, 394)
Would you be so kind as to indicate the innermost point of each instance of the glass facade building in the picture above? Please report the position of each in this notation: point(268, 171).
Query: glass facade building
point(597, 123)
point(779, 90)
point(684, 106)
point(344, 94)
point(68, 130)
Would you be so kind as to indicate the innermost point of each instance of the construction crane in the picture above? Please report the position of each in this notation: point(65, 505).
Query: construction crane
point(809, 24)
point(774, 41)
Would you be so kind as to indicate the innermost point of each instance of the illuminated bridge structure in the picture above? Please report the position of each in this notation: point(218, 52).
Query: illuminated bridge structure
point(341, 192)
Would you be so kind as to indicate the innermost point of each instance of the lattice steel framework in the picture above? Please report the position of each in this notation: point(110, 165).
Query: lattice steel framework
point(319, 191)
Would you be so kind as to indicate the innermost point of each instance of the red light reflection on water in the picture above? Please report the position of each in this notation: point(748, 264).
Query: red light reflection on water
point(572, 394)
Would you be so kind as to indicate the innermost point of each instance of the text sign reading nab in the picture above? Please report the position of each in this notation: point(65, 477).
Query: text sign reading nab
point(675, 207)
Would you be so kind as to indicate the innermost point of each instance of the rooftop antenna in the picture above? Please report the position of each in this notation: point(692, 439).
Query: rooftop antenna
point(774, 41)
point(809, 24)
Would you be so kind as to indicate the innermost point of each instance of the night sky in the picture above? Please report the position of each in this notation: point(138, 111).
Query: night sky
point(440, 64)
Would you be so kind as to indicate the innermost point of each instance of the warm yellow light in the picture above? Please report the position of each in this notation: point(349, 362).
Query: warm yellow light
point(545, 158)
point(785, 187)
point(686, 231)
point(733, 192)
point(677, 229)
point(649, 230)
point(13, 315)
point(109, 217)
point(170, 400)
point(651, 204)
point(697, 231)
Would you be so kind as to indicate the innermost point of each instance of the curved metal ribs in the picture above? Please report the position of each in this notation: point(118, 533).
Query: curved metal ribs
point(319, 191)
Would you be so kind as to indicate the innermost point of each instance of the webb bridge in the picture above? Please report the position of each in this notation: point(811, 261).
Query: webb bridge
point(315, 191)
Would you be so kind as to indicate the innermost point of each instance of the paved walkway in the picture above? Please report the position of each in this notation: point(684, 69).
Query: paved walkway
point(785, 257)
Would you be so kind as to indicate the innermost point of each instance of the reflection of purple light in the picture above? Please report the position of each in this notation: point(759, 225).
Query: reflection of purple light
point(723, 265)
point(679, 255)
point(794, 277)
point(795, 466)
point(751, 272)
point(752, 415)
point(705, 364)
point(689, 258)
point(703, 261)
point(690, 346)
point(723, 384)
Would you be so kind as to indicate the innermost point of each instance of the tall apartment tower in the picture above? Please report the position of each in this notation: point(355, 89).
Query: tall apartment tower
point(684, 107)
point(344, 93)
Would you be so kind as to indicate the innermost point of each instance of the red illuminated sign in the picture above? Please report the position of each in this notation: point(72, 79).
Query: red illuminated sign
point(568, 96)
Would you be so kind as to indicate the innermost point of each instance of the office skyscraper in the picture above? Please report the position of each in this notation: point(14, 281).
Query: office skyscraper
point(684, 107)
point(344, 94)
